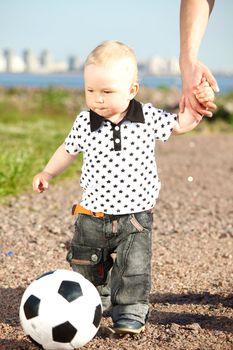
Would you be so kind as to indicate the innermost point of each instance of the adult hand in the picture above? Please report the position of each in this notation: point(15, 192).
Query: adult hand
point(192, 74)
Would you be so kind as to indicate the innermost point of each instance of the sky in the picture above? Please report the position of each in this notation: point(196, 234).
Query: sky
point(75, 27)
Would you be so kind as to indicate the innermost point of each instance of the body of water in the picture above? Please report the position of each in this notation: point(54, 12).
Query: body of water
point(76, 81)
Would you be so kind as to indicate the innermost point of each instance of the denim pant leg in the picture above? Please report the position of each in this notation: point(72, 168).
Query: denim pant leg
point(131, 273)
point(90, 254)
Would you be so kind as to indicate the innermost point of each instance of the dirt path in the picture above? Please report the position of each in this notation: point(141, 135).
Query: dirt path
point(191, 297)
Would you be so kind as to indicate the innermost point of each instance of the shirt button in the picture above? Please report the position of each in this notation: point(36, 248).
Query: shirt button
point(117, 128)
point(117, 141)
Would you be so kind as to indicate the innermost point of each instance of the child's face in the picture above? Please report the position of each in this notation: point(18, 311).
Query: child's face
point(109, 88)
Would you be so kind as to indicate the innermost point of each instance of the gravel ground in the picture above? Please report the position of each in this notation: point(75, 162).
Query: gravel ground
point(191, 297)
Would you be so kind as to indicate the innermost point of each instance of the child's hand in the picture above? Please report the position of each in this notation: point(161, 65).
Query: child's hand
point(205, 95)
point(41, 182)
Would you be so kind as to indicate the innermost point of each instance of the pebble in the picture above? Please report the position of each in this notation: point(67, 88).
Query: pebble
point(175, 327)
point(195, 327)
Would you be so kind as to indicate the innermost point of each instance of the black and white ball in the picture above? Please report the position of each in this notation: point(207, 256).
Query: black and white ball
point(60, 310)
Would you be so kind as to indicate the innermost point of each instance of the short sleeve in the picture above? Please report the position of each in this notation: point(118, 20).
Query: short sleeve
point(73, 139)
point(163, 123)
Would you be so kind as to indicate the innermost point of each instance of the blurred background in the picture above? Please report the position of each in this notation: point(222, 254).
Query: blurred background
point(42, 49)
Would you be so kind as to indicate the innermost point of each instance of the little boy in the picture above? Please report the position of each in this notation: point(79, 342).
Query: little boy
point(120, 181)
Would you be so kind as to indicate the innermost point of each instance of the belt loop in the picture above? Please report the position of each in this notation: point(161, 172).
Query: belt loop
point(114, 226)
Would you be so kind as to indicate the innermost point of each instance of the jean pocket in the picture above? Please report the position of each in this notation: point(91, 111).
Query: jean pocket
point(136, 224)
point(83, 255)
point(89, 262)
point(142, 221)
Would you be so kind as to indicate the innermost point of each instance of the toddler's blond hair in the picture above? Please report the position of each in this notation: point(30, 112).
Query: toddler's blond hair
point(112, 51)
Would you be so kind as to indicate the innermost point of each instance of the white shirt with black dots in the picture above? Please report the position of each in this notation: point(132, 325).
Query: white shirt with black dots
point(119, 172)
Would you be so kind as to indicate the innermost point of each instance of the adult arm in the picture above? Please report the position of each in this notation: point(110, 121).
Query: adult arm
point(194, 16)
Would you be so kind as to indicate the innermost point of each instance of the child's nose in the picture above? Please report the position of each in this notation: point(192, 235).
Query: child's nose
point(100, 99)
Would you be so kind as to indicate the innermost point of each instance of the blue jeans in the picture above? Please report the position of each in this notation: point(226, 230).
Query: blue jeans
point(127, 237)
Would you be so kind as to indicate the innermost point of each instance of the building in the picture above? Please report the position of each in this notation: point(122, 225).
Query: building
point(173, 66)
point(162, 66)
point(31, 61)
point(59, 67)
point(2, 62)
point(73, 64)
point(14, 63)
point(157, 66)
point(46, 61)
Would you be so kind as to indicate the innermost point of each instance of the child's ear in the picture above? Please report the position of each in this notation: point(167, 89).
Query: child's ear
point(133, 90)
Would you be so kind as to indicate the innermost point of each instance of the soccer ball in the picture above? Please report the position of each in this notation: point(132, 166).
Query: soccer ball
point(60, 310)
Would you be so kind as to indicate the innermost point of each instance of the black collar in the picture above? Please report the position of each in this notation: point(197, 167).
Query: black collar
point(134, 114)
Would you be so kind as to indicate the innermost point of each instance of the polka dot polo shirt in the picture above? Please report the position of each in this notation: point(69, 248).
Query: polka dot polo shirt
point(119, 173)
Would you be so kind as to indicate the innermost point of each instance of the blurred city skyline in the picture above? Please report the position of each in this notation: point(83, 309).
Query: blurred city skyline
point(29, 62)
point(73, 28)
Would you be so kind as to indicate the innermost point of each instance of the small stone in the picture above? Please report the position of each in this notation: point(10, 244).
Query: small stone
point(175, 327)
point(195, 327)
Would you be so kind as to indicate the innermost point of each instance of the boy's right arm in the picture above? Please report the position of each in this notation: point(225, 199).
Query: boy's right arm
point(186, 120)
point(60, 160)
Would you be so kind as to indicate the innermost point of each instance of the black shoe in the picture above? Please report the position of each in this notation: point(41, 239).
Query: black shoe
point(126, 325)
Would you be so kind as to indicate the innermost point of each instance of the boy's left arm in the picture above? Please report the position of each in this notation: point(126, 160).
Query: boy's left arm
point(186, 121)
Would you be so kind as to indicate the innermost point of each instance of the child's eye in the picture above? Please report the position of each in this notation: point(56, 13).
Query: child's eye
point(108, 92)
point(89, 90)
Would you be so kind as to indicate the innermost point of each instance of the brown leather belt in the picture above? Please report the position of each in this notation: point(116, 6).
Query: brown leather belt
point(78, 209)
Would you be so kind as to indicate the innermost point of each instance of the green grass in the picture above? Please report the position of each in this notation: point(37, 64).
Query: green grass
point(34, 122)
point(27, 142)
